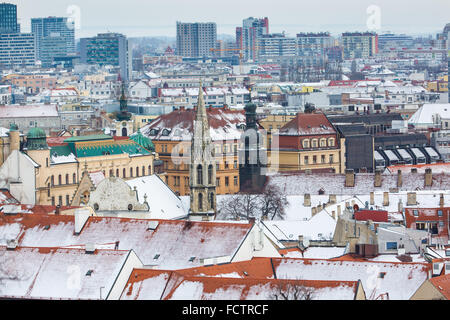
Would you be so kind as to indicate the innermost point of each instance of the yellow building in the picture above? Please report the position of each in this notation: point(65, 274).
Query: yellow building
point(141, 121)
point(309, 142)
point(60, 167)
point(273, 123)
point(440, 85)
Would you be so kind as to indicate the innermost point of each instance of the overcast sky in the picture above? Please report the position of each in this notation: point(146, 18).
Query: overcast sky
point(158, 17)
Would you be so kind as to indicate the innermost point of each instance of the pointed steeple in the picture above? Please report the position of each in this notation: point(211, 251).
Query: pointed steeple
point(203, 168)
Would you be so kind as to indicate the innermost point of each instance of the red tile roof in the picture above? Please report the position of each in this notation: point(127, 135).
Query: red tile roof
point(374, 215)
point(442, 284)
point(308, 124)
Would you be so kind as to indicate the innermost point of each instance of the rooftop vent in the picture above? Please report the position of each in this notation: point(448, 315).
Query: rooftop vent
point(191, 259)
point(152, 225)
point(89, 272)
point(11, 244)
point(90, 248)
point(156, 256)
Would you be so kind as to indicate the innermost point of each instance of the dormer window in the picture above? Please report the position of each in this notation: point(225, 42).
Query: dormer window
point(165, 132)
point(154, 132)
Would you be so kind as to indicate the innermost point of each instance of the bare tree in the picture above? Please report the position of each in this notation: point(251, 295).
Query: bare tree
point(270, 204)
point(291, 291)
point(273, 203)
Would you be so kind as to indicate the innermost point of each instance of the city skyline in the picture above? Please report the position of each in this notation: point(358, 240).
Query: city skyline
point(138, 19)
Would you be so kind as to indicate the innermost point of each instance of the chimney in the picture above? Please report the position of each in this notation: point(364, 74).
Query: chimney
point(307, 200)
point(428, 177)
point(300, 240)
point(57, 209)
point(372, 198)
point(385, 199)
point(400, 205)
point(411, 196)
point(332, 199)
point(349, 178)
point(413, 170)
point(313, 211)
point(338, 210)
point(251, 220)
point(399, 179)
point(333, 213)
point(377, 182)
point(441, 200)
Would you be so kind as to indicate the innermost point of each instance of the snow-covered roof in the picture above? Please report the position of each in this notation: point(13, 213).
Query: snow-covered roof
point(377, 155)
point(426, 113)
point(97, 177)
point(391, 155)
point(404, 154)
point(56, 273)
point(163, 202)
point(155, 285)
point(399, 280)
point(417, 153)
point(320, 227)
point(176, 242)
point(28, 111)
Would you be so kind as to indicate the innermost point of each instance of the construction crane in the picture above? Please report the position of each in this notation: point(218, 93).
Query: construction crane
point(241, 56)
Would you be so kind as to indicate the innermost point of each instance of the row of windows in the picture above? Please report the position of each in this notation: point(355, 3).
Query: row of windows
point(60, 200)
point(316, 158)
point(176, 181)
point(314, 143)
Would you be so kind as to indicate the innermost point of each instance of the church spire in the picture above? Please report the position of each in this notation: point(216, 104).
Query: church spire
point(203, 168)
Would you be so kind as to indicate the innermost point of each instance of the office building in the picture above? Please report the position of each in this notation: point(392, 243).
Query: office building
point(196, 39)
point(108, 49)
point(359, 45)
point(61, 33)
point(17, 50)
point(247, 36)
point(8, 18)
point(276, 45)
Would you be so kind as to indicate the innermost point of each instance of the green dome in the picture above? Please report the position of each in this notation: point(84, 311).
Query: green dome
point(13, 127)
point(36, 139)
point(143, 141)
point(36, 133)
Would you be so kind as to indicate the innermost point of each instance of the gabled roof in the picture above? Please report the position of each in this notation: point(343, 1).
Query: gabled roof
point(44, 273)
point(442, 284)
point(166, 285)
point(308, 124)
point(176, 242)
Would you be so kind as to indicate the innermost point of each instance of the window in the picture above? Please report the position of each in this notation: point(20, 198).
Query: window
point(323, 142)
point(131, 172)
point(200, 201)
point(124, 173)
point(67, 200)
point(391, 245)
point(67, 178)
point(59, 180)
point(416, 213)
point(323, 158)
point(331, 158)
point(117, 172)
point(60, 200)
point(306, 143)
point(306, 159)
point(314, 143)
point(210, 174)
point(227, 181)
point(211, 200)
point(314, 159)
point(137, 171)
point(48, 190)
point(74, 178)
point(440, 213)
point(331, 142)
point(235, 164)
point(199, 174)
point(217, 182)
point(149, 169)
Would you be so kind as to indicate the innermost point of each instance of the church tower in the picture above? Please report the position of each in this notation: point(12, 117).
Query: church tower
point(202, 180)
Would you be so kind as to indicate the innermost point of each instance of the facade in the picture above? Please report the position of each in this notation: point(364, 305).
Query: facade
point(8, 18)
point(196, 39)
point(55, 37)
point(26, 117)
point(310, 44)
point(247, 36)
point(308, 142)
point(32, 83)
point(112, 49)
point(17, 49)
point(359, 45)
point(277, 45)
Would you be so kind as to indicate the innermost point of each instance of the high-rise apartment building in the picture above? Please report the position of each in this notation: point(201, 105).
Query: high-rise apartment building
point(276, 45)
point(8, 18)
point(247, 36)
point(359, 45)
point(17, 50)
point(196, 39)
point(108, 49)
point(55, 30)
point(310, 44)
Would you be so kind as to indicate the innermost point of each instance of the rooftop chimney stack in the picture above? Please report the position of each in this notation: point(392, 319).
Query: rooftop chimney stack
point(332, 199)
point(349, 178)
point(400, 205)
point(428, 177)
point(372, 198)
point(399, 179)
point(411, 199)
point(413, 170)
point(441, 200)
point(385, 199)
point(377, 182)
point(307, 200)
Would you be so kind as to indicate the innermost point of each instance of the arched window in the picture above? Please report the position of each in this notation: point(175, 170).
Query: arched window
point(117, 172)
point(323, 142)
point(199, 174)
point(124, 173)
point(149, 169)
point(74, 178)
point(59, 180)
point(67, 178)
point(306, 143)
point(331, 142)
point(48, 189)
point(131, 172)
point(137, 171)
point(143, 170)
point(314, 143)
point(200, 201)
point(211, 200)
point(111, 172)
point(210, 174)
point(52, 180)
